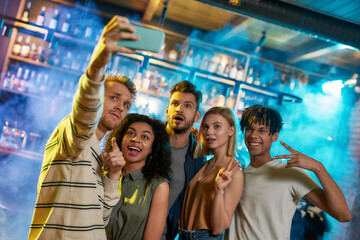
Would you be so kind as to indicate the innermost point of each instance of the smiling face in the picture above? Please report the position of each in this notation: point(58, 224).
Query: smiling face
point(117, 101)
point(181, 112)
point(137, 143)
point(258, 140)
point(216, 131)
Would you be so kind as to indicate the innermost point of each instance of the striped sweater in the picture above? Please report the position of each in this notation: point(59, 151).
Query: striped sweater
point(74, 198)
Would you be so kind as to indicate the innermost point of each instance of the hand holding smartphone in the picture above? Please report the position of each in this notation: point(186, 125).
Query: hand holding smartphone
point(150, 40)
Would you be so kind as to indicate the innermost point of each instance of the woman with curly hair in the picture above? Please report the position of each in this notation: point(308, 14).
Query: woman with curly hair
point(212, 195)
point(144, 189)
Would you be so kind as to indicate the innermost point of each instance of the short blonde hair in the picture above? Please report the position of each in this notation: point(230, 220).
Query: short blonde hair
point(124, 80)
point(201, 147)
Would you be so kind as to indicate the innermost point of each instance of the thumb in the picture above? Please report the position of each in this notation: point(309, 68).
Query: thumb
point(114, 145)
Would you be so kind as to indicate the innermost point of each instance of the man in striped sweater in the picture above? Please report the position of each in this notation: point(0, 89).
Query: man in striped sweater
point(75, 199)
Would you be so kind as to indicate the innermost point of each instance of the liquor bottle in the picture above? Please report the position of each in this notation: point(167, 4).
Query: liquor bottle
point(204, 62)
point(40, 54)
point(146, 81)
point(153, 83)
point(172, 55)
point(30, 86)
point(33, 52)
point(230, 99)
point(197, 61)
point(233, 69)
point(41, 17)
point(162, 86)
point(7, 80)
point(226, 70)
point(54, 20)
point(77, 30)
point(162, 53)
point(17, 45)
point(26, 13)
point(66, 63)
point(5, 135)
point(15, 138)
point(211, 65)
point(239, 73)
point(88, 32)
point(23, 139)
point(25, 48)
point(16, 81)
point(257, 80)
point(38, 82)
point(138, 81)
point(250, 77)
point(66, 24)
point(219, 68)
point(189, 58)
point(23, 80)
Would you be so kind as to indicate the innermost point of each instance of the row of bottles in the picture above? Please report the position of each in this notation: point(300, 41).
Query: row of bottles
point(15, 138)
point(62, 24)
point(153, 83)
point(43, 53)
point(25, 79)
point(213, 62)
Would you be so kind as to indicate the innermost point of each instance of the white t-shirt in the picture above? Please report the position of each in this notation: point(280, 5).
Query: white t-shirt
point(268, 203)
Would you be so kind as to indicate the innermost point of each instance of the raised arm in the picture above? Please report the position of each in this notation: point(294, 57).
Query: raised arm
point(330, 199)
point(87, 103)
point(158, 211)
point(229, 187)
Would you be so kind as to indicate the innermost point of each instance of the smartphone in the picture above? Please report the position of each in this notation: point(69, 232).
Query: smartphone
point(150, 40)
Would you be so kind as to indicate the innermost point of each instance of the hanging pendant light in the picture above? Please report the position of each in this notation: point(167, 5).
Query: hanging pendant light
point(235, 2)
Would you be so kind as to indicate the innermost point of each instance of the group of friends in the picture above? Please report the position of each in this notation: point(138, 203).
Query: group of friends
point(155, 180)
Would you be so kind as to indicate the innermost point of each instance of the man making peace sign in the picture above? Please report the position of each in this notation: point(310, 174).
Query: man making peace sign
point(272, 189)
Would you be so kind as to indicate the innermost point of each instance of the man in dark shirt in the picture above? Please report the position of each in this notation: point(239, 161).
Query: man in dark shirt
point(182, 112)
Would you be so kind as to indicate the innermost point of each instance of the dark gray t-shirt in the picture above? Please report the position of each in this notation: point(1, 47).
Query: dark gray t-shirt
point(178, 156)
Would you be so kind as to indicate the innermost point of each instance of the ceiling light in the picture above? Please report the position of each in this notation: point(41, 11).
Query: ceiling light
point(235, 2)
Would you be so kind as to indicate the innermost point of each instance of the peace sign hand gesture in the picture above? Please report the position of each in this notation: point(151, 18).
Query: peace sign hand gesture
point(224, 177)
point(297, 159)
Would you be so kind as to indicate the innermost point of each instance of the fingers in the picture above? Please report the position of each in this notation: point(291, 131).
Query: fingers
point(236, 165)
point(226, 175)
point(229, 165)
point(291, 163)
point(283, 156)
point(123, 22)
point(219, 174)
point(114, 145)
point(288, 147)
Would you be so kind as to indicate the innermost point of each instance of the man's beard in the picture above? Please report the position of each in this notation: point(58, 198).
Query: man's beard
point(179, 130)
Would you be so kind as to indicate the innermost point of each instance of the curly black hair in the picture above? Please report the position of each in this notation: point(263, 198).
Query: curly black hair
point(262, 115)
point(158, 162)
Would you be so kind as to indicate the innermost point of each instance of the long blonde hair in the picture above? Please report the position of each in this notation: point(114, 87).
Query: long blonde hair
point(201, 147)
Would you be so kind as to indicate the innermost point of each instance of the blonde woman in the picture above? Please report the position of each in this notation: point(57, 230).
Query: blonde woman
point(213, 194)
